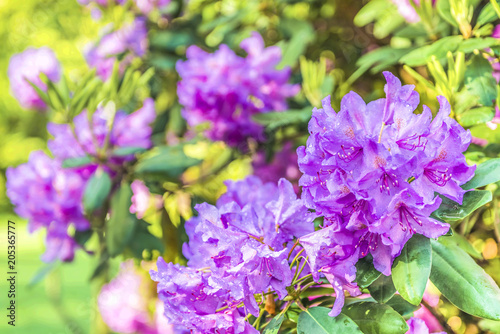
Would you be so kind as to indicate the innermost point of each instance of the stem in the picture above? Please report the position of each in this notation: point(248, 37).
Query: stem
point(170, 239)
point(439, 317)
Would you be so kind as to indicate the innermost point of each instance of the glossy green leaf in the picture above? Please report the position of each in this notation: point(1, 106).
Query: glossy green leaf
point(168, 161)
point(479, 80)
point(274, 325)
point(382, 289)
point(463, 282)
point(366, 273)
point(472, 44)
point(273, 120)
point(460, 241)
point(81, 237)
point(412, 268)
point(476, 116)
point(76, 162)
point(96, 191)
point(487, 15)
point(402, 306)
point(121, 225)
point(440, 48)
point(450, 211)
point(374, 318)
point(486, 173)
point(317, 321)
point(122, 151)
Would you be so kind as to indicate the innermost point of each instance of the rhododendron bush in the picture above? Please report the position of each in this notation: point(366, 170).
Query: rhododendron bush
point(269, 166)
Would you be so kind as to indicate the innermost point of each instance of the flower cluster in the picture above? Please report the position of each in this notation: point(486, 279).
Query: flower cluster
point(373, 171)
point(418, 326)
point(225, 90)
point(236, 249)
point(125, 44)
point(49, 197)
point(123, 304)
point(26, 67)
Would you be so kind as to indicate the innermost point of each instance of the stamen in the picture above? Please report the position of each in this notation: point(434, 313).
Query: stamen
point(412, 143)
point(438, 177)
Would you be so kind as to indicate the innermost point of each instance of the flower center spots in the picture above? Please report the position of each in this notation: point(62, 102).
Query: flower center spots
point(349, 154)
point(379, 162)
point(407, 219)
point(344, 189)
point(349, 132)
point(438, 177)
point(442, 155)
point(400, 123)
point(412, 143)
point(386, 180)
point(367, 243)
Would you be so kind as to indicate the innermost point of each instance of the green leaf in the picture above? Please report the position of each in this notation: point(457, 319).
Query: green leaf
point(476, 116)
point(444, 10)
point(317, 321)
point(366, 273)
point(382, 289)
point(440, 48)
point(412, 268)
point(274, 325)
point(460, 241)
point(168, 161)
point(81, 237)
point(76, 162)
point(487, 15)
point(479, 80)
point(387, 21)
point(374, 318)
point(273, 120)
point(302, 34)
point(463, 282)
point(123, 151)
point(450, 211)
point(144, 240)
point(381, 57)
point(370, 12)
point(96, 191)
point(472, 44)
point(402, 306)
point(171, 40)
point(486, 173)
point(121, 225)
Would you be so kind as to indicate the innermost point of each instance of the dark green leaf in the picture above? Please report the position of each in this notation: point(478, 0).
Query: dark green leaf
point(171, 40)
point(412, 268)
point(121, 225)
point(451, 211)
point(402, 306)
point(144, 240)
point(168, 161)
point(122, 151)
point(476, 116)
point(472, 44)
point(317, 321)
point(463, 282)
point(422, 55)
point(273, 120)
point(366, 274)
point(81, 237)
point(374, 318)
point(382, 289)
point(76, 162)
point(96, 191)
point(487, 15)
point(274, 325)
point(486, 173)
point(479, 80)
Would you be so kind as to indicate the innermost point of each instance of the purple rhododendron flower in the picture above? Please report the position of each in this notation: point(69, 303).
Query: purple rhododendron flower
point(128, 42)
point(225, 90)
point(236, 249)
point(373, 170)
point(27, 66)
point(418, 326)
point(129, 130)
point(283, 165)
point(49, 197)
point(407, 9)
